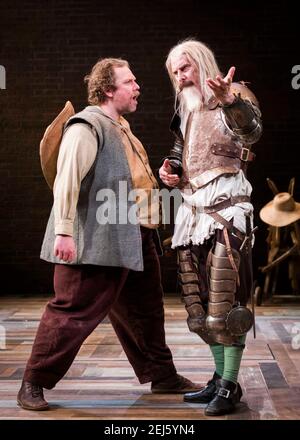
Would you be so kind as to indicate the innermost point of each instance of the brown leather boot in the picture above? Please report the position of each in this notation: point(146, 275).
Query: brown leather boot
point(31, 397)
point(175, 384)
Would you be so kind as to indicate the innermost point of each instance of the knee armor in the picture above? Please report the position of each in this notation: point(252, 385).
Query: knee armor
point(191, 294)
point(226, 320)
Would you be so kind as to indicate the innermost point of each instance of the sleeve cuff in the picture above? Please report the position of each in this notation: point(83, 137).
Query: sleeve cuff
point(64, 228)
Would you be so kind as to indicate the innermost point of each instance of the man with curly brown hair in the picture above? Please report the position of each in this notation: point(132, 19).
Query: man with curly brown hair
point(104, 266)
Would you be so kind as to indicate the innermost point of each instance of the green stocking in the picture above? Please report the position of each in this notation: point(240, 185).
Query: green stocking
point(218, 354)
point(232, 361)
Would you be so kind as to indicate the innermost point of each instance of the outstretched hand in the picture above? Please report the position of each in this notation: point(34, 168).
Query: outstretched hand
point(221, 87)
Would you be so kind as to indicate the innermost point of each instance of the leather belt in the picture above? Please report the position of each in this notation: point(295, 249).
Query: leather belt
point(244, 154)
point(221, 205)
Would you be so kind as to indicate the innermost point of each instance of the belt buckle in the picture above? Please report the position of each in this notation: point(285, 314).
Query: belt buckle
point(245, 154)
point(223, 392)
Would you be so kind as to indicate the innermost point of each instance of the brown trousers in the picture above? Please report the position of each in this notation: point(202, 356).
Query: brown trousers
point(84, 296)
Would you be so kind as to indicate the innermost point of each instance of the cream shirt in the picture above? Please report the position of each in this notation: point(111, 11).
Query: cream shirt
point(77, 154)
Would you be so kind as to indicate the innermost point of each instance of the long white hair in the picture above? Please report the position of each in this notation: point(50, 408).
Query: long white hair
point(203, 59)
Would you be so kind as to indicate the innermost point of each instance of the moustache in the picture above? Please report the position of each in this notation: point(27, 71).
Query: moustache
point(185, 84)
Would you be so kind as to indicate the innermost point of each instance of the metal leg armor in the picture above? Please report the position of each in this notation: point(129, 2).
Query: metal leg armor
point(226, 320)
point(191, 294)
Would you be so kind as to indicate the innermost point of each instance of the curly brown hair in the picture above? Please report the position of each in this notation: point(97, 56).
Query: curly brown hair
point(102, 79)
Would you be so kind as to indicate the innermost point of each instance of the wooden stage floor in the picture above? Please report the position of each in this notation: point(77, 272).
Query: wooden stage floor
point(101, 383)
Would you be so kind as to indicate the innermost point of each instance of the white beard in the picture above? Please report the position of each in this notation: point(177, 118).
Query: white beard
point(191, 98)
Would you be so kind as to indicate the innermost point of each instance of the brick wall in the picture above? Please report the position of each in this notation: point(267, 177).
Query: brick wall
point(48, 47)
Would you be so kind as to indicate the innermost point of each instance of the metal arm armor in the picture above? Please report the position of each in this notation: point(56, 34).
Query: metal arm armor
point(243, 116)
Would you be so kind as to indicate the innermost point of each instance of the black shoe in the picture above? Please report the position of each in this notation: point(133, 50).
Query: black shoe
point(31, 397)
point(206, 394)
point(228, 394)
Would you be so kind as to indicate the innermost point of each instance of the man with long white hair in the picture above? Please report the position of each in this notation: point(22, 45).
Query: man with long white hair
point(215, 123)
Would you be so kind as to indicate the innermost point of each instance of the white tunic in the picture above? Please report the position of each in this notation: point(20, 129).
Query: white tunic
point(195, 228)
point(191, 227)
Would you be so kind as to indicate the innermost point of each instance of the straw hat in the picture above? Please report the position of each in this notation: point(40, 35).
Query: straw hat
point(49, 145)
point(281, 211)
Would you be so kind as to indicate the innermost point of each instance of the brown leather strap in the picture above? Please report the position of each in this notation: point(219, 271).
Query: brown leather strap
point(222, 205)
point(230, 256)
point(229, 226)
point(244, 154)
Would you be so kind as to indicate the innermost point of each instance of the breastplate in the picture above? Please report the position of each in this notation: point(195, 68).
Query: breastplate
point(210, 149)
